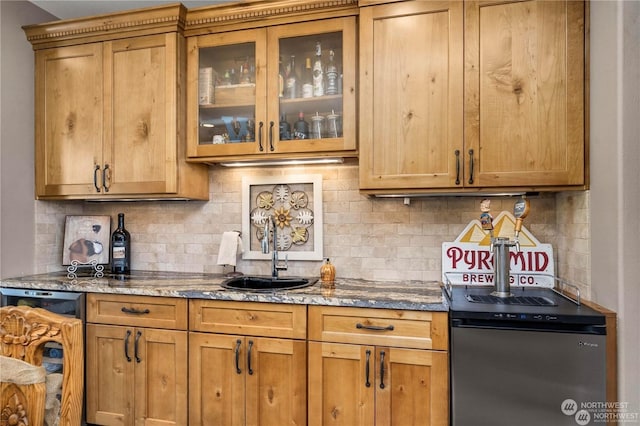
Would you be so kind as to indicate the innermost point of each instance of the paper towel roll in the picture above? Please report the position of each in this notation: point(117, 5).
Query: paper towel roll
point(230, 246)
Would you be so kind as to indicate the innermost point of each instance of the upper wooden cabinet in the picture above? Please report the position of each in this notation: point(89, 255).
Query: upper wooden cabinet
point(477, 95)
point(239, 105)
point(109, 108)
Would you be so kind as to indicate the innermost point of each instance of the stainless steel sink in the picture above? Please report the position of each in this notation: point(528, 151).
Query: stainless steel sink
point(263, 283)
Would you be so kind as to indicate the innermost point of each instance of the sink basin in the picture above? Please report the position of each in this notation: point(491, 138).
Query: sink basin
point(262, 283)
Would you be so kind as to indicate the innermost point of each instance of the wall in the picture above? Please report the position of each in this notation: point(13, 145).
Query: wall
point(365, 238)
point(17, 207)
point(615, 198)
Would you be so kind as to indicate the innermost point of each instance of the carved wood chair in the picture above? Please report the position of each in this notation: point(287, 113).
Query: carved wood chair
point(23, 334)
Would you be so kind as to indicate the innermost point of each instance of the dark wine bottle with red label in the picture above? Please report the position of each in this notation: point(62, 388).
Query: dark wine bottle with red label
point(120, 248)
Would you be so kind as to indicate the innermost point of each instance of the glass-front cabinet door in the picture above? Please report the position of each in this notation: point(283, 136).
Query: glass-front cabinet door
point(284, 91)
point(227, 86)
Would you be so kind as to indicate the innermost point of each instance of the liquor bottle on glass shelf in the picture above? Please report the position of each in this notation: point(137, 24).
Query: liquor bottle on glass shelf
point(318, 73)
point(307, 80)
point(332, 75)
point(291, 82)
point(301, 128)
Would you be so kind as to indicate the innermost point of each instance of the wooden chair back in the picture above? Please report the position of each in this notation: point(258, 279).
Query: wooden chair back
point(23, 334)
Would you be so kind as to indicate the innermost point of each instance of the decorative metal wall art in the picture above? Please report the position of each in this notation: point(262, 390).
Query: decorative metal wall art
point(295, 203)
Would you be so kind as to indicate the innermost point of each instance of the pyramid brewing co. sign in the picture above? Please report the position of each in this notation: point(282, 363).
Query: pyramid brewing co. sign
point(469, 261)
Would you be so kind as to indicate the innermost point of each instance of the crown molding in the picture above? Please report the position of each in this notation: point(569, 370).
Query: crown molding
point(146, 21)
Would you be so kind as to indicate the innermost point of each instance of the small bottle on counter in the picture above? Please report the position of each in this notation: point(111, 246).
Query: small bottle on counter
point(120, 248)
point(328, 273)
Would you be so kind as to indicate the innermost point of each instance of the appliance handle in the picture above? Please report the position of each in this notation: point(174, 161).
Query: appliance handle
point(529, 326)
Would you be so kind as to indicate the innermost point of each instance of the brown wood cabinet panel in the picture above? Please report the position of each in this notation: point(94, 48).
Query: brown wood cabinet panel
point(110, 377)
point(338, 391)
point(142, 311)
point(69, 119)
point(377, 385)
point(524, 92)
point(140, 127)
point(519, 123)
point(411, 329)
point(136, 376)
point(161, 386)
point(416, 387)
point(110, 108)
point(248, 318)
point(238, 380)
point(411, 99)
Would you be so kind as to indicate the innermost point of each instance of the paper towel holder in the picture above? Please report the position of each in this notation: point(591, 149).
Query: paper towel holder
point(233, 273)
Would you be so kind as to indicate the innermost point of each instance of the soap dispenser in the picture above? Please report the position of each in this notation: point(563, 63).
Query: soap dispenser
point(327, 272)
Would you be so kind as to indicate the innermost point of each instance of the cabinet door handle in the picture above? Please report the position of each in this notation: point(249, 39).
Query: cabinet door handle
point(381, 369)
point(457, 152)
point(271, 124)
point(136, 346)
point(249, 369)
point(95, 178)
point(135, 311)
point(126, 345)
point(366, 369)
point(470, 166)
point(106, 177)
point(375, 327)
point(260, 126)
point(237, 351)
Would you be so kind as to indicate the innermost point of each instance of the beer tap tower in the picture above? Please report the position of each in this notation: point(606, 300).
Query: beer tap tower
point(500, 245)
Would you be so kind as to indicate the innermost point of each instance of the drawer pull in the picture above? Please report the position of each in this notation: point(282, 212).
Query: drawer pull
point(126, 345)
point(366, 370)
point(249, 369)
point(136, 346)
point(237, 351)
point(135, 311)
point(375, 327)
point(381, 369)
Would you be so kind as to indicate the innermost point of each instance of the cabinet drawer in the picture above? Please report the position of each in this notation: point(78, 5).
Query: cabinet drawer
point(248, 318)
point(382, 327)
point(137, 311)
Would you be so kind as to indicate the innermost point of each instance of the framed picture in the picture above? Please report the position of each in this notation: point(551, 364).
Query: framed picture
point(86, 239)
point(294, 203)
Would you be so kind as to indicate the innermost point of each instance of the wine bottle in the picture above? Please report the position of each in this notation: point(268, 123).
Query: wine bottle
point(291, 83)
point(307, 80)
point(318, 73)
point(120, 248)
point(332, 75)
point(301, 128)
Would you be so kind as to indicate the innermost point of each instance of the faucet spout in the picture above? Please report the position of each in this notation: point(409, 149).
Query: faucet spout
point(276, 266)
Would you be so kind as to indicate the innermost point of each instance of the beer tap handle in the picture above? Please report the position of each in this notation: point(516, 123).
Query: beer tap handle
point(520, 211)
point(486, 220)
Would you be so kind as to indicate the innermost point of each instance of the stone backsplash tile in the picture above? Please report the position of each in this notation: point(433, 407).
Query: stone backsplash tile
point(370, 238)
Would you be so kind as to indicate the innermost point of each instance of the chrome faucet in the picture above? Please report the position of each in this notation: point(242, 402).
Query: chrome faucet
point(276, 265)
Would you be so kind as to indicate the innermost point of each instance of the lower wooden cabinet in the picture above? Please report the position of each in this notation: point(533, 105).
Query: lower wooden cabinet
point(371, 385)
point(396, 371)
point(151, 361)
point(136, 375)
point(241, 380)
point(247, 363)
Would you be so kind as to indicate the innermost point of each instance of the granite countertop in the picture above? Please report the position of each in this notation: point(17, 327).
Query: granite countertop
point(411, 295)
